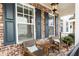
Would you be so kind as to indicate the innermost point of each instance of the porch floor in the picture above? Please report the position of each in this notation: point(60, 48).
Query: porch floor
point(63, 52)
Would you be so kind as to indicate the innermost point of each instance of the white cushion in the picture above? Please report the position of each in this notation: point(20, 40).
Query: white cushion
point(57, 40)
point(32, 48)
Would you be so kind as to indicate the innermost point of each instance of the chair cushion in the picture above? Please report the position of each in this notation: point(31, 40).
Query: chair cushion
point(32, 48)
point(57, 40)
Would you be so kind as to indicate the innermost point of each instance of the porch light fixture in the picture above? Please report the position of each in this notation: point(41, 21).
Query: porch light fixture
point(54, 7)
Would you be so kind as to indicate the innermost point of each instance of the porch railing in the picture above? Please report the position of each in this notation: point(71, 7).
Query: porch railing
point(74, 51)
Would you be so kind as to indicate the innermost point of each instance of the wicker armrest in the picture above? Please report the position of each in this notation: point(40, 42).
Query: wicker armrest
point(26, 52)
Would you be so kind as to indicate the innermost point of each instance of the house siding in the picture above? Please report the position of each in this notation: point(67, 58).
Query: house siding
point(43, 24)
point(17, 49)
point(9, 50)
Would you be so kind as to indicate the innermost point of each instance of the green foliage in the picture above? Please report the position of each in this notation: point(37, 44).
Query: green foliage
point(68, 40)
point(72, 35)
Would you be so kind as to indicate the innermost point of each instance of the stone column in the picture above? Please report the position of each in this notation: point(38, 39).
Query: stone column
point(1, 24)
point(42, 25)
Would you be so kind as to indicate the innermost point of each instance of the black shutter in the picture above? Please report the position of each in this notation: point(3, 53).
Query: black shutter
point(46, 15)
point(9, 21)
point(38, 23)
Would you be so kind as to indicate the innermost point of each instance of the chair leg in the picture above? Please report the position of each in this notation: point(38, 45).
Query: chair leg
point(45, 50)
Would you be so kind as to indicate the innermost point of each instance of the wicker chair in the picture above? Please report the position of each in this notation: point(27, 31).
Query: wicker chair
point(30, 49)
point(54, 45)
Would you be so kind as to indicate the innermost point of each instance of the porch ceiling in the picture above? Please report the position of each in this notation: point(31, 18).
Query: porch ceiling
point(63, 8)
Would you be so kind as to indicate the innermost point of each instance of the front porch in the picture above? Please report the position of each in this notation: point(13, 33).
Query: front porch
point(33, 21)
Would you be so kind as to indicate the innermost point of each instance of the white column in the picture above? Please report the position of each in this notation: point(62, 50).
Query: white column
point(77, 23)
point(64, 25)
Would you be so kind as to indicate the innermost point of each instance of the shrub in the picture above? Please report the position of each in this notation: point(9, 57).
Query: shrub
point(73, 37)
point(68, 40)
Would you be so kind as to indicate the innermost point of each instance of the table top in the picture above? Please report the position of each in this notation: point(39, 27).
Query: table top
point(42, 42)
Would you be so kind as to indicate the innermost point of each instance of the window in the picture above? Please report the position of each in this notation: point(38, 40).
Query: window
point(51, 25)
point(25, 22)
point(61, 25)
point(70, 26)
point(66, 26)
point(65, 22)
point(61, 29)
point(56, 26)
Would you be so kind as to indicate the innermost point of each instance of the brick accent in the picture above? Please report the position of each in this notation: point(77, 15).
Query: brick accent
point(1, 25)
point(37, 5)
point(43, 25)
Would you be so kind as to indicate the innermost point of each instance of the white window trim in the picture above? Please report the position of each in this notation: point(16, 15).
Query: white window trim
point(28, 23)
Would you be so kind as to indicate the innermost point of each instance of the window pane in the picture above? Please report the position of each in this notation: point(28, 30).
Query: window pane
point(25, 11)
point(20, 9)
point(31, 12)
point(31, 19)
point(27, 18)
point(25, 32)
point(61, 29)
point(20, 15)
point(51, 25)
point(25, 7)
point(66, 26)
point(21, 19)
point(51, 30)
